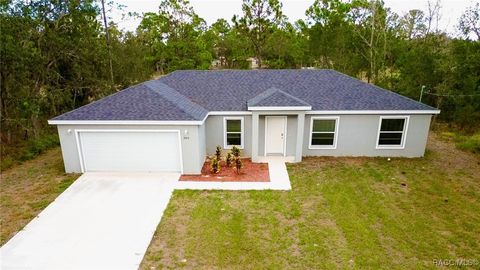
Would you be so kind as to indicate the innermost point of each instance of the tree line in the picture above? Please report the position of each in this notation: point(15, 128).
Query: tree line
point(59, 55)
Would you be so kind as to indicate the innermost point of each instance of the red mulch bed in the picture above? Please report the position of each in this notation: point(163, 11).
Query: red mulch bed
point(251, 172)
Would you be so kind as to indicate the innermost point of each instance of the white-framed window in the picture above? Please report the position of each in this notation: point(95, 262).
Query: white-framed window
point(233, 132)
point(323, 132)
point(392, 132)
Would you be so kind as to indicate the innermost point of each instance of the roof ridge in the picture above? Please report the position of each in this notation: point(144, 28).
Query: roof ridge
point(182, 102)
point(244, 70)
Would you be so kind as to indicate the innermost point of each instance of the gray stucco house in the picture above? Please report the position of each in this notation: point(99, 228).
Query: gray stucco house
point(173, 123)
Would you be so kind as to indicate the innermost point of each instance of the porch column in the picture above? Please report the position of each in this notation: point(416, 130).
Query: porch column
point(300, 133)
point(254, 136)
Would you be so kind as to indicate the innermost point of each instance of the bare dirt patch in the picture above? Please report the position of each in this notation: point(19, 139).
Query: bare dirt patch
point(451, 157)
point(251, 172)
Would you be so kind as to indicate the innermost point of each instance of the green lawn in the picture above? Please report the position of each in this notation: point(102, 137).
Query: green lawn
point(341, 213)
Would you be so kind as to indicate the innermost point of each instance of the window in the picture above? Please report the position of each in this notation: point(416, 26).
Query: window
point(392, 132)
point(323, 132)
point(233, 132)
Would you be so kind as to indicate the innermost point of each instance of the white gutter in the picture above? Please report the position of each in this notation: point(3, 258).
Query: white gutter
point(198, 123)
point(279, 108)
point(376, 112)
point(120, 122)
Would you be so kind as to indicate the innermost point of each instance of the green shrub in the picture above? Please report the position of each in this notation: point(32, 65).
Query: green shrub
point(447, 135)
point(228, 159)
point(235, 152)
point(26, 150)
point(470, 143)
point(463, 140)
point(6, 163)
point(215, 165)
point(38, 146)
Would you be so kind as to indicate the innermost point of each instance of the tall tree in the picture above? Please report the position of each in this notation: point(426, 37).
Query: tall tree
point(370, 19)
point(176, 37)
point(107, 38)
point(331, 34)
point(54, 58)
point(219, 31)
point(54, 38)
point(433, 16)
point(412, 24)
point(285, 47)
point(470, 21)
point(258, 21)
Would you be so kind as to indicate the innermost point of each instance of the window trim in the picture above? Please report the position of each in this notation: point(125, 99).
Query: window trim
point(404, 132)
point(335, 132)
point(242, 131)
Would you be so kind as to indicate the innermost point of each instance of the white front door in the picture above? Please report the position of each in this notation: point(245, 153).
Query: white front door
point(275, 134)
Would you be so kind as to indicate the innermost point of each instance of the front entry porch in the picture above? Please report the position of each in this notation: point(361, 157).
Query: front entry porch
point(277, 134)
point(278, 120)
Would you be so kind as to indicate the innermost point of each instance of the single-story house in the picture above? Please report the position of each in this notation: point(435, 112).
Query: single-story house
point(173, 123)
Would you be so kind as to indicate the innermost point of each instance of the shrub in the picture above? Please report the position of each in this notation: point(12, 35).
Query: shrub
point(228, 159)
point(238, 165)
point(466, 142)
point(215, 165)
point(218, 153)
point(17, 153)
point(38, 146)
point(470, 143)
point(447, 135)
point(235, 152)
point(6, 163)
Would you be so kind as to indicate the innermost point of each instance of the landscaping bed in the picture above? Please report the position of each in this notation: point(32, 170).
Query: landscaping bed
point(251, 172)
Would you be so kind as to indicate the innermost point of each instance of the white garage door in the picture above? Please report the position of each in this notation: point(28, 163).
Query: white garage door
point(133, 151)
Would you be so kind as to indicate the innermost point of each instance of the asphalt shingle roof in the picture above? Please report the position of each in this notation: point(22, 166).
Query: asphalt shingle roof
point(182, 102)
point(190, 95)
point(276, 97)
point(139, 102)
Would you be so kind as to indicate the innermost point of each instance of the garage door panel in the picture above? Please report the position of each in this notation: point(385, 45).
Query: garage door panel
point(130, 151)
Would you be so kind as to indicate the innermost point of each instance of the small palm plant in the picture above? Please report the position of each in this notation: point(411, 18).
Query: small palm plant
point(235, 152)
point(228, 159)
point(218, 152)
point(215, 165)
point(236, 159)
point(238, 164)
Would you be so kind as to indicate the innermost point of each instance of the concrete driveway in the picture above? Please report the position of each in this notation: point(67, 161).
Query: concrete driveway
point(102, 221)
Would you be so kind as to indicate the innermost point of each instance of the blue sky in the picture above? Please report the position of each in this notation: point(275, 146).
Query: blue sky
point(211, 10)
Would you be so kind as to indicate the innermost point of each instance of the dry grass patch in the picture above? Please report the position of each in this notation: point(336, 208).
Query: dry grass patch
point(28, 188)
